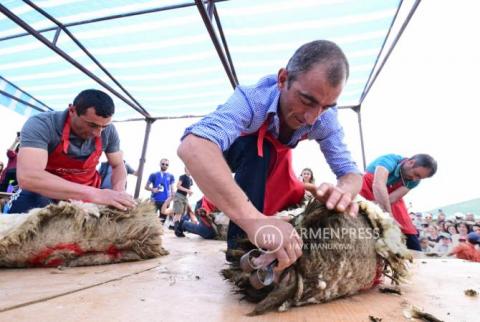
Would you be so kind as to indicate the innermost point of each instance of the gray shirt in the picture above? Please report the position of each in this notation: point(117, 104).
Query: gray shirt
point(44, 131)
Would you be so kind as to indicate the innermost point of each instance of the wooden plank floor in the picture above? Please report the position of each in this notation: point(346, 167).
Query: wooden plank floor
point(186, 285)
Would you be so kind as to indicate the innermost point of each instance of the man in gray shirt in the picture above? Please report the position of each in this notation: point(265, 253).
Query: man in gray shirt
point(59, 152)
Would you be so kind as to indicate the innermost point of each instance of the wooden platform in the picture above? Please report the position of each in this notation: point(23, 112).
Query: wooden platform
point(186, 285)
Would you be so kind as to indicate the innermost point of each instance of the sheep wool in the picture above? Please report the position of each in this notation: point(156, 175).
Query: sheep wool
point(79, 234)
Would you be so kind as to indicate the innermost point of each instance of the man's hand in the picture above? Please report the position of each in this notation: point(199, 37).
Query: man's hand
point(278, 237)
point(336, 198)
point(118, 199)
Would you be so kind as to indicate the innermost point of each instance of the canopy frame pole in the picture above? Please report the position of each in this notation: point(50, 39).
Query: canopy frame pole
point(357, 109)
point(216, 42)
point(26, 93)
point(85, 51)
point(368, 85)
point(142, 160)
point(67, 57)
point(106, 18)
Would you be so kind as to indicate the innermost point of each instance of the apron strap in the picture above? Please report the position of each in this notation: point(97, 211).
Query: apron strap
point(261, 135)
point(66, 134)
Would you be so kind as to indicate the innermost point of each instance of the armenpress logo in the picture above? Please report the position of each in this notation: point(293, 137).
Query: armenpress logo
point(268, 235)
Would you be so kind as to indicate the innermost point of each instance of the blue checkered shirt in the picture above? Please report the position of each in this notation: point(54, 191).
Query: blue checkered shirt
point(248, 108)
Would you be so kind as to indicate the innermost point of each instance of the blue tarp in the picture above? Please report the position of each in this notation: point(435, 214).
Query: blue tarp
point(166, 59)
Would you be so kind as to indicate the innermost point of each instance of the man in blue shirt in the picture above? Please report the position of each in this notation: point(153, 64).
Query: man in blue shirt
point(390, 177)
point(161, 185)
point(252, 134)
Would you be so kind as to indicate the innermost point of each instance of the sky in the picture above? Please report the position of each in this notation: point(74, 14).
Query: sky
point(424, 101)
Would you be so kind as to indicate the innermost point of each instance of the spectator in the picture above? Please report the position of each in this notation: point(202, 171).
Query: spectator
point(308, 180)
point(418, 221)
point(432, 235)
point(476, 228)
point(10, 172)
point(425, 245)
point(459, 216)
point(444, 245)
point(463, 230)
point(470, 217)
point(469, 250)
point(441, 217)
point(428, 219)
point(452, 230)
point(412, 216)
point(180, 202)
point(106, 174)
point(307, 176)
point(204, 227)
point(161, 185)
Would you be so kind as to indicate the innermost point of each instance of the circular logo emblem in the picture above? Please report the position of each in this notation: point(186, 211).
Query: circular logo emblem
point(268, 235)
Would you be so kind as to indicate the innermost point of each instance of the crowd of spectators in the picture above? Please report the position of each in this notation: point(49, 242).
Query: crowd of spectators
point(446, 236)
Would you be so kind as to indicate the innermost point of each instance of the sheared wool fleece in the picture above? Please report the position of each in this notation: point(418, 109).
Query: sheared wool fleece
point(79, 234)
point(333, 264)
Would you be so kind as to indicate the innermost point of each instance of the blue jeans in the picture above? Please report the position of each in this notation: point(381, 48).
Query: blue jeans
point(413, 242)
point(251, 173)
point(27, 200)
point(198, 229)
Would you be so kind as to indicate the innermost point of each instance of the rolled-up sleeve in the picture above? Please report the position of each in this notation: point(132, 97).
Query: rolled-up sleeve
point(330, 136)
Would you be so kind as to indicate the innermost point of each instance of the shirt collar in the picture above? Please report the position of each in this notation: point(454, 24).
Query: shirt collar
point(398, 174)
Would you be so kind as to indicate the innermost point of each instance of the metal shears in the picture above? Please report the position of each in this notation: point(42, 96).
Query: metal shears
point(260, 269)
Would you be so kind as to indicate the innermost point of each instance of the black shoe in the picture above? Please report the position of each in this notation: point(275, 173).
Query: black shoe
point(162, 218)
point(178, 230)
point(171, 227)
point(229, 257)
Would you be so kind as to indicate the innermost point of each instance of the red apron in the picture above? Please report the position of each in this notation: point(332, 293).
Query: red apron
point(207, 205)
point(399, 210)
point(78, 171)
point(282, 189)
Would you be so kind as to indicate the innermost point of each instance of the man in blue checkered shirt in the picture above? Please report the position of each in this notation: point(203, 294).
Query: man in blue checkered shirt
point(252, 135)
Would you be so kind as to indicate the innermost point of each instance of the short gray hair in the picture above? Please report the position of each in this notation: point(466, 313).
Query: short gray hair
point(319, 52)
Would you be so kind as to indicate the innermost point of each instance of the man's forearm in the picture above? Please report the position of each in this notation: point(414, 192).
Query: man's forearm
point(211, 173)
point(380, 194)
point(397, 194)
point(52, 186)
point(119, 178)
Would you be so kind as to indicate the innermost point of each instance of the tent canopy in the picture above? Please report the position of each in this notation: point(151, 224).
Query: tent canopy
point(161, 58)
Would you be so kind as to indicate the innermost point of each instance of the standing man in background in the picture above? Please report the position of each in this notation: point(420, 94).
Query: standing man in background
point(180, 202)
point(161, 185)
